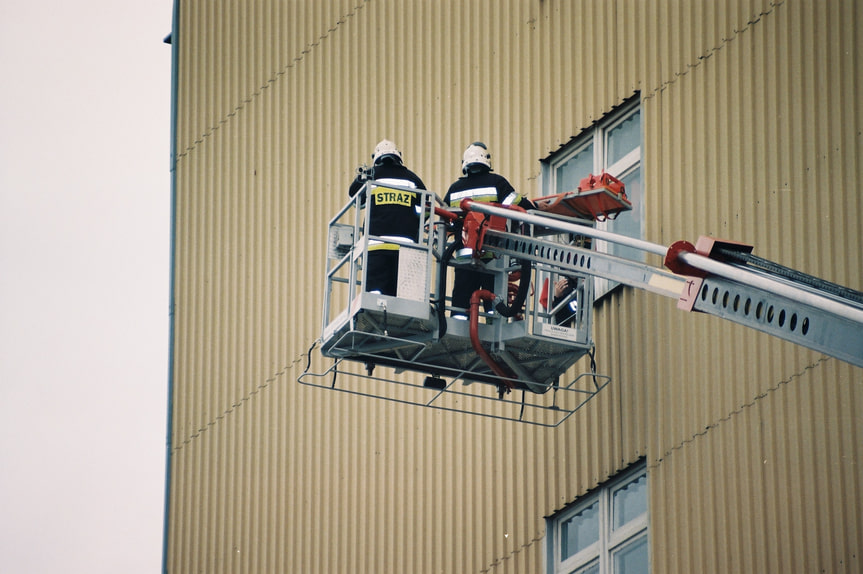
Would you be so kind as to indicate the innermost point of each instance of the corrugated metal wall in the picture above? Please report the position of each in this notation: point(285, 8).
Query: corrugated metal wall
point(754, 444)
point(752, 131)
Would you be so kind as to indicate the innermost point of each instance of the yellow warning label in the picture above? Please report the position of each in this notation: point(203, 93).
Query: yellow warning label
point(384, 196)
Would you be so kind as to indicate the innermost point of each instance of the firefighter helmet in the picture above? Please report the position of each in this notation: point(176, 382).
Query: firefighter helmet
point(384, 149)
point(475, 154)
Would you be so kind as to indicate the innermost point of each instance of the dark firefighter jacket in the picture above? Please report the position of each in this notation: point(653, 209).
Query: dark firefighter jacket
point(485, 186)
point(394, 212)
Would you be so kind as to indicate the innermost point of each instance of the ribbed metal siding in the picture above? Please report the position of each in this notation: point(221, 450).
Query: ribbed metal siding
point(746, 438)
point(754, 134)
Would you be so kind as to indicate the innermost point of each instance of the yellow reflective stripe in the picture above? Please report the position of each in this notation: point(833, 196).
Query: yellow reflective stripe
point(378, 245)
point(384, 247)
point(483, 194)
point(397, 181)
point(513, 198)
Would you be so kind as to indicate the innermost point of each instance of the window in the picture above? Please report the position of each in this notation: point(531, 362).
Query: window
point(613, 145)
point(603, 533)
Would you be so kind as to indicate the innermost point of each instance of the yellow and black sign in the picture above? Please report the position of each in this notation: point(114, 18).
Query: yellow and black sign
point(388, 196)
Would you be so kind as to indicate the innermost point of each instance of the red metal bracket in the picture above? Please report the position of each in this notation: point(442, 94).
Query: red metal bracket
point(706, 246)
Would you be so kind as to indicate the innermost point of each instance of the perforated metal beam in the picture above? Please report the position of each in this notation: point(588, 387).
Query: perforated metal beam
point(816, 327)
point(760, 300)
point(812, 327)
point(567, 258)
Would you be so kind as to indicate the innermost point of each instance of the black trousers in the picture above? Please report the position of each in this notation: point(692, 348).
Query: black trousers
point(382, 271)
point(466, 282)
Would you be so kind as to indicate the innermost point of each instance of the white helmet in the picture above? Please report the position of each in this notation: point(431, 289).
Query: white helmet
point(386, 148)
point(475, 154)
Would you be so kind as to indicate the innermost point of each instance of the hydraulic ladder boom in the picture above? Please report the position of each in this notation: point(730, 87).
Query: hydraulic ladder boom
point(716, 277)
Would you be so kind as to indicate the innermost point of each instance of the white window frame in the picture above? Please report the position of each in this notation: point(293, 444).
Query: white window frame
point(611, 541)
point(598, 136)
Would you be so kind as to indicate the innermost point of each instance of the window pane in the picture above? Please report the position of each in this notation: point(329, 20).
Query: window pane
point(592, 569)
point(623, 138)
point(632, 559)
point(630, 501)
point(580, 531)
point(629, 222)
point(569, 174)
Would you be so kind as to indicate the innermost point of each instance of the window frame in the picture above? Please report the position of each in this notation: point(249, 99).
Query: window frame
point(597, 135)
point(611, 540)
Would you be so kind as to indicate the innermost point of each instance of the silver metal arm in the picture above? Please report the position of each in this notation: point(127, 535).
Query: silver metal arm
point(788, 309)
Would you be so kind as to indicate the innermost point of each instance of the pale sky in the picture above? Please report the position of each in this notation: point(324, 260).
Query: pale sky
point(84, 284)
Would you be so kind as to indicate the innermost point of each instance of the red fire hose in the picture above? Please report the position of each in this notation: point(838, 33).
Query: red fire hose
point(475, 298)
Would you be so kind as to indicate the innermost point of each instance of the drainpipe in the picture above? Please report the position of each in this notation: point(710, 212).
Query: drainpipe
point(173, 39)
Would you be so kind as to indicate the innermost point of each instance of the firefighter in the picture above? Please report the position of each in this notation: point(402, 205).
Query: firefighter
point(563, 290)
point(394, 213)
point(478, 183)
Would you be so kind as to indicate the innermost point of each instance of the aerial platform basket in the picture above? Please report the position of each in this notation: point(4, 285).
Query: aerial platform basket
point(402, 359)
point(407, 348)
